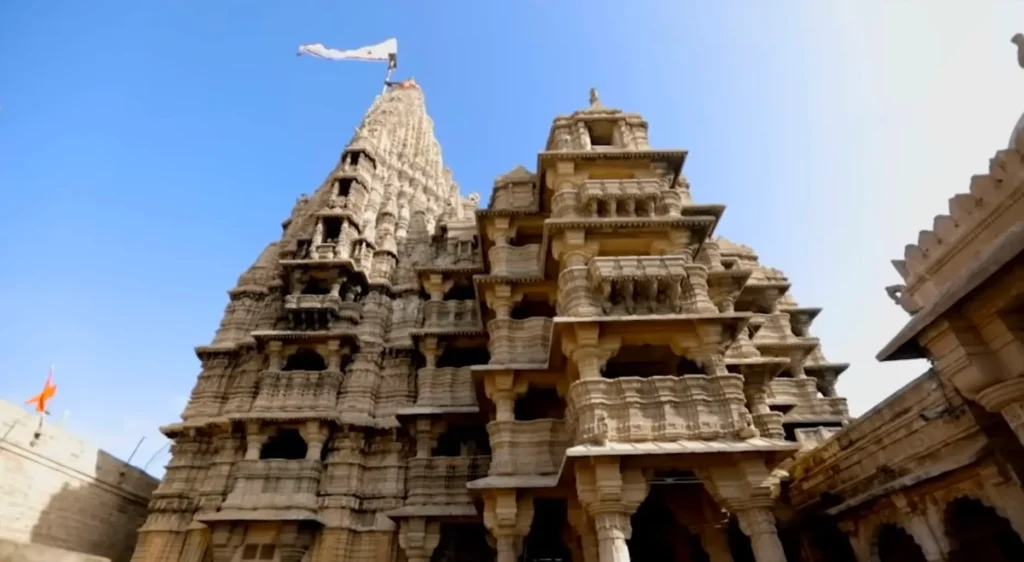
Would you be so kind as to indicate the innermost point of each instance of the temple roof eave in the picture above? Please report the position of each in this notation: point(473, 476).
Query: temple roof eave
point(905, 345)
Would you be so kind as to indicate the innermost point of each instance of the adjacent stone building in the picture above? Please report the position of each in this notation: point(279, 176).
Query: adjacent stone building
point(934, 472)
point(579, 371)
point(61, 498)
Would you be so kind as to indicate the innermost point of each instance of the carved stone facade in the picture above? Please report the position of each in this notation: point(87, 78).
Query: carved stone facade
point(934, 473)
point(404, 376)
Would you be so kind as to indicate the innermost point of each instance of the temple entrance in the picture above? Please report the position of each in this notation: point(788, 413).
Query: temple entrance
point(896, 545)
point(545, 541)
point(463, 542)
point(658, 537)
point(977, 532)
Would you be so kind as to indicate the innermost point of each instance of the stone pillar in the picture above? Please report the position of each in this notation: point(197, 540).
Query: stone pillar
point(502, 388)
point(582, 523)
point(747, 489)
point(758, 523)
point(613, 530)
point(928, 532)
point(861, 543)
point(715, 540)
point(610, 494)
point(334, 354)
point(315, 434)
point(274, 355)
point(588, 350)
point(418, 537)
point(508, 516)
point(254, 441)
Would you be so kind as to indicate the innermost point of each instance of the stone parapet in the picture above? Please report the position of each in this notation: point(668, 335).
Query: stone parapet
point(525, 341)
point(445, 387)
point(438, 481)
point(515, 261)
point(660, 408)
point(527, 448)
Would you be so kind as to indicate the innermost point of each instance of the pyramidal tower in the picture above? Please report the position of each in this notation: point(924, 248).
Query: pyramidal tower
point(580, 372)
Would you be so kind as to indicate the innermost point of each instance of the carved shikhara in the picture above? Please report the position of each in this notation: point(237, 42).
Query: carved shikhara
point(400, 361)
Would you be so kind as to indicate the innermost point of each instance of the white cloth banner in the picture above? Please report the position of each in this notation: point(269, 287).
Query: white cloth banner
point(382, 52)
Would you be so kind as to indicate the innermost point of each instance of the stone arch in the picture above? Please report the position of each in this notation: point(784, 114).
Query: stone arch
point(305, 359)
point(658, 535)
point(977, 531)
point(894, 544)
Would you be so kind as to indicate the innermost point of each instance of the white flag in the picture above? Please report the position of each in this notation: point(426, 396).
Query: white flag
point(383, 52)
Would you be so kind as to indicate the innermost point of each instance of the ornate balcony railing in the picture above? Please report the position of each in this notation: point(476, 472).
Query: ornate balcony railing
point(622, 198)
point(275, 485)
point(659, 408)
point(442, 480)
point(635, 285)
point(296, 392)
point(445, 387)
point(455, 315)
point(515, 261)
point(526, 341)
point(321, 311)
point(534, 447)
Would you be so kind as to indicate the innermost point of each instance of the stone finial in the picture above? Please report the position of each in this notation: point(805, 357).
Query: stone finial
point(1017, 39)
point(594, 100)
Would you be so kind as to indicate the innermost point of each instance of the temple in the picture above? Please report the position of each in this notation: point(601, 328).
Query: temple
point(582, 371)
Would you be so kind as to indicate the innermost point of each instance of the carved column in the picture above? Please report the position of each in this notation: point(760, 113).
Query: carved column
point(254, 441)
point(758, 523)
point(502, 388)
point(315, 434)
point(610, 495)
point(508, 517)
point(1006, 399)
point(748, 489)
point(582, 523)
point(927, 531)
point(715, 540)
point(588, 350)
point(274, 355)
point(574, 253)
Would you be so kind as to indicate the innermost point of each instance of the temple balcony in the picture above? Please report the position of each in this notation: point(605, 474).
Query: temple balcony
point(296, 394)
point(527, 448)
point(617, 199)
point(515, 261)
point(445, 388)
point(272, 489)
point(321, 312)
point(453, 254)
point(451, 316)
point(357, 163)
point(519, 342)
point(635, 285)
point(437, 485)
point(659, 408)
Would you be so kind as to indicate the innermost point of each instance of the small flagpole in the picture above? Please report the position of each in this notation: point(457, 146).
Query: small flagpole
point(392, 65)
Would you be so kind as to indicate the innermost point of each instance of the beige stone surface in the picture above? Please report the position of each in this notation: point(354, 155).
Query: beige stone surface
point(406, 376)
point(59, 491)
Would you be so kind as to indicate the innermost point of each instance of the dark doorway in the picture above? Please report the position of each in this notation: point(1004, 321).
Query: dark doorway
point(976, 532)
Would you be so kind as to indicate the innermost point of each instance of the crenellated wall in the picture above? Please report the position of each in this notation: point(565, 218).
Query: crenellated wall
point(60, 492)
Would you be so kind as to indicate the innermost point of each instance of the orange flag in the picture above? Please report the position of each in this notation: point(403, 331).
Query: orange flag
point(49, 389)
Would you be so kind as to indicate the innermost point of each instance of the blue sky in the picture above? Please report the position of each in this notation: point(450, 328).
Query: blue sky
point(150, 150)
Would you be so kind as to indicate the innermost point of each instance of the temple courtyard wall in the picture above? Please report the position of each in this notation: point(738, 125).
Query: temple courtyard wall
point(63, 499)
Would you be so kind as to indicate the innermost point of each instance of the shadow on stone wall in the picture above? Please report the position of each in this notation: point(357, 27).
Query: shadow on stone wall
point(99, 518)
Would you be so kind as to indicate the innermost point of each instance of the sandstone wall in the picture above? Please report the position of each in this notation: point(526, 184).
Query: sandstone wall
point(59, 491)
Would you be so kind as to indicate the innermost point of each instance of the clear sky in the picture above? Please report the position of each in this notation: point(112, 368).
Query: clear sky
point(149, 151)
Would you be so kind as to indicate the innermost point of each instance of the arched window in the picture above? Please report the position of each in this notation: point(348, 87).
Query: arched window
point(976, 532)
point(286, 444)
point(896, 545)
point(305, 359)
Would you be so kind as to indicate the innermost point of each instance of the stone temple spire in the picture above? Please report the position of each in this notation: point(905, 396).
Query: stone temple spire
point(312, 360)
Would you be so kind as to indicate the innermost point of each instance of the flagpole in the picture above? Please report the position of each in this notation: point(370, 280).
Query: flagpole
point(392, 65)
